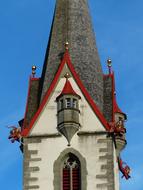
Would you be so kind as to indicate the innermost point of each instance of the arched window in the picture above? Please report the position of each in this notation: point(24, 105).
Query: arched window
point(63, 175)
point(71, 173)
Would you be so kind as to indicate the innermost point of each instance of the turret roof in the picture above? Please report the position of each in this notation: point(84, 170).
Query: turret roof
point(68, 89)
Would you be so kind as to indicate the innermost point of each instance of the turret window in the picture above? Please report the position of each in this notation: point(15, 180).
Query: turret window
point(74, 103)
point(68, 103)
point(71, 103)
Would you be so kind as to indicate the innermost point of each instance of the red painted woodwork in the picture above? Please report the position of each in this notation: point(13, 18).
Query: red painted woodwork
point(76, 179)
point(68, 89)
point(116, 108)
point(66, 179)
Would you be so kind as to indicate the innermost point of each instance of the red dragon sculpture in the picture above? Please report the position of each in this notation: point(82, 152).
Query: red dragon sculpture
point(15, 134)
point(124, 168)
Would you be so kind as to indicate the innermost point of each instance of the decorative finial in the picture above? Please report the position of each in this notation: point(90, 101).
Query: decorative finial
point(67, 45)
point(109, 63)
point(67, 75)
point(34, 70)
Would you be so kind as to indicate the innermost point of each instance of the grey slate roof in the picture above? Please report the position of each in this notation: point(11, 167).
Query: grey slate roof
point(107, 100)
point(32, 101)
point(72, 23)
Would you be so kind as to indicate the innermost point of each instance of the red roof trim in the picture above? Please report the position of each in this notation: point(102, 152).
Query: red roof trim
point(116, 108)
point(68, 89)
point(27, 130)
point(87, 96)
point(35, 79)
point(66, 60)
point(106, 75)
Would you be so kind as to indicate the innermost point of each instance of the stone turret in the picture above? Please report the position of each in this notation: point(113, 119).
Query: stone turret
point(68, 111)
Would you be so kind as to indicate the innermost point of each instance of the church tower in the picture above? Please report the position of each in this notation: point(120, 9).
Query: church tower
point(73, 130)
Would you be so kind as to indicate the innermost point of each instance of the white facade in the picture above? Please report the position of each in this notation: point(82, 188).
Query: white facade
point(47, 122)
point(90, 142)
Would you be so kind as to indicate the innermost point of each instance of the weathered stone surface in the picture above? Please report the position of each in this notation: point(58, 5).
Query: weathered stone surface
point(107, 102)
point(27, 170)
point(32, 101)
point(109, 167)
point(33, 169)
point(32, 187)
point(103, 150)
point(35, 159)
point(73, 23)
point(33, 140)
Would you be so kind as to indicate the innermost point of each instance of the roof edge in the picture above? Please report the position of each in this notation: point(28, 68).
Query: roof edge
point(66, 60)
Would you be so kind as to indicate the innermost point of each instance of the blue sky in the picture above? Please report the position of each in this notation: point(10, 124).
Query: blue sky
point(24, 31)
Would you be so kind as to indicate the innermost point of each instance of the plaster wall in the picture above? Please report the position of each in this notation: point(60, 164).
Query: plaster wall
point(44, 145)
point(47, 121)
point(50, 149)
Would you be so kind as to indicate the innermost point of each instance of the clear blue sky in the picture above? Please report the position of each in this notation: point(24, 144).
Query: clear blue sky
point(24, 31)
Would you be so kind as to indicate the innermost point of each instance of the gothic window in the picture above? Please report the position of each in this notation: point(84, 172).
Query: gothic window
point(71, 173)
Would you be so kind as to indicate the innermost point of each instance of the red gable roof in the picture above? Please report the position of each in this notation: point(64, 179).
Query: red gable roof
point(66, 60)
point(68, 89)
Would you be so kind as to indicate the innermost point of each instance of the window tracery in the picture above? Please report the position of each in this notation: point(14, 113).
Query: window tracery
point(71, 173)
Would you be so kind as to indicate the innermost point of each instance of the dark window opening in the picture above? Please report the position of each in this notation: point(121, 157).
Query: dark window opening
point(68, 103)
point(74, 103)
point(71, 103)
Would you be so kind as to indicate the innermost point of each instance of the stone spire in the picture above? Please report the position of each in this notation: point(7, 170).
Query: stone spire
point(72, 23)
